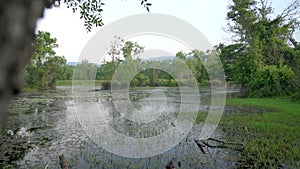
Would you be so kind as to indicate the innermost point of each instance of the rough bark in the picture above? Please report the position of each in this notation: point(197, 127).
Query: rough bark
point(18, 20)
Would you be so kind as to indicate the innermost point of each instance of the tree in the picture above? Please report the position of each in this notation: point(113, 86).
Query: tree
point(123, 52)
point(195, 61)
point(198, 57)
point(68, 71)
point(238, 64)
point(180, 55)
point(120, 49)
point(261, 42)
point(131, 49)
point(44, 67)
point(54, 69)
point(85, 71)
point(263, 35)
point(114, 52)
point(104, 71)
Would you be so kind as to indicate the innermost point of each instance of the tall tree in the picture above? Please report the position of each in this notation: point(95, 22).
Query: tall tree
point(54, 69)
point(261, 40)
point(85, 71)
point(120, 50)
point(114, 52)
point(131, 49)
point(44, 67)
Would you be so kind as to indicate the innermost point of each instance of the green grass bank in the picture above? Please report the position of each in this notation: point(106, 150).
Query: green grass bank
point(272, 138)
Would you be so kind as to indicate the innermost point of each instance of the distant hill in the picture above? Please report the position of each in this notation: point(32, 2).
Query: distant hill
point(160, 58)
point(72, 63)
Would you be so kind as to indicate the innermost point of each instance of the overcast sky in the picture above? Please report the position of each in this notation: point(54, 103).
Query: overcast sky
point(209, 16)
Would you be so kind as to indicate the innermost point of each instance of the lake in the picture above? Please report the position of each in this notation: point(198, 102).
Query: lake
point(43, 125)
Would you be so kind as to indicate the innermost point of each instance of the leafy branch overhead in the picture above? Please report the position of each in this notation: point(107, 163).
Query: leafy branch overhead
point(146, 4)
point(91, 11)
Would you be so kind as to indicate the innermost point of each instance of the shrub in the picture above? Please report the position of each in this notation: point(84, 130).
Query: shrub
point(172, 83)
point(134, 83)
point(296, 96)
point(272, 81)
point(106, 85)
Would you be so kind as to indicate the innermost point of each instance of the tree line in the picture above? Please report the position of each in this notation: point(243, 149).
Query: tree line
point(143, 77)
point(263, 58)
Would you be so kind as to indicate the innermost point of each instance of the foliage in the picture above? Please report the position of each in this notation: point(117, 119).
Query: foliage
point(146, 4)
point(131, 49)
point(68, 71)
point(260, 47)
point(53, 70)
point(44, 67)
point(85, 71)
point(197, 64)
point(104, 71)
point(296, 96)
point(122, 53)
point(91, 11)
point(271, 81)
point(180, 55)
point(118, 49)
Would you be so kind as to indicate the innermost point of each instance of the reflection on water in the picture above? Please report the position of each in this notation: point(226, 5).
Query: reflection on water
point(41, 126)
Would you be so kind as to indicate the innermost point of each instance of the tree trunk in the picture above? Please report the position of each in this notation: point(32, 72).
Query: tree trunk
point(18, 20)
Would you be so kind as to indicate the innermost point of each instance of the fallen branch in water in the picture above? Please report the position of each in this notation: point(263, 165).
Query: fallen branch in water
point(221, 144)
point(170, 165)
point(63, 162)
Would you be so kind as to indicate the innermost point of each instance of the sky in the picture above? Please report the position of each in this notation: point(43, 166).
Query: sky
point(208, 16)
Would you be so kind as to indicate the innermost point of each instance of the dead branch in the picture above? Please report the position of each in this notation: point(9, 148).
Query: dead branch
point(200, 144)
point(63, 162)
point(221, 144)
point(263, 9)
point(231, 143)
point(170, 165)
point(291, 12)
point(293, 41)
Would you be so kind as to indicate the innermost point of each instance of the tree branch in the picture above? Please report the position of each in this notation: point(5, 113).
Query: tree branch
point(221, 144)
point(291, 12)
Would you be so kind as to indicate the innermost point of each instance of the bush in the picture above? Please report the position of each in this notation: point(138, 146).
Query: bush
point(134, 83)
point(172, 83)
point(272, 81)
point(106, 85)
point(296, 96)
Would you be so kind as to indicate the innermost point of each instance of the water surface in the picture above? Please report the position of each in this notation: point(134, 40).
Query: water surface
point(43, 125)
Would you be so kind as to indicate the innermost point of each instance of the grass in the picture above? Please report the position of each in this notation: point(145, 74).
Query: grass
point(29, 89)
point(79, 82)
point(272, 138)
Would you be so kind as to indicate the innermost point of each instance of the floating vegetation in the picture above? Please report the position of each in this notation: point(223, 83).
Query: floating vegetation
point(49, 126)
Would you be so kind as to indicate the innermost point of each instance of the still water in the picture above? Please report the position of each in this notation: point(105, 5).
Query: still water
point(43, 125)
